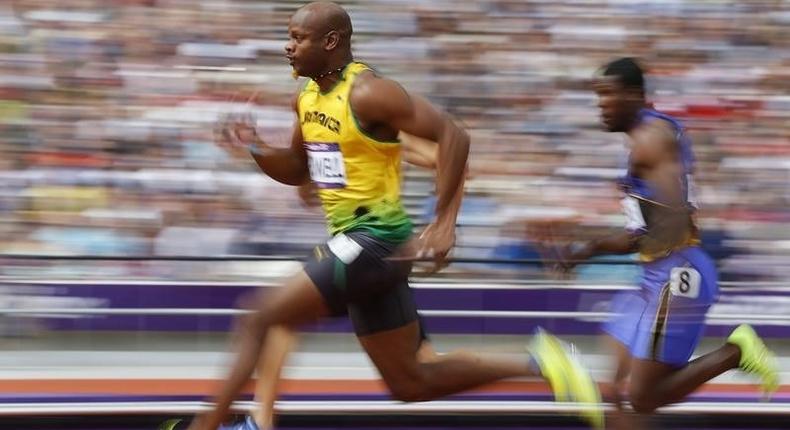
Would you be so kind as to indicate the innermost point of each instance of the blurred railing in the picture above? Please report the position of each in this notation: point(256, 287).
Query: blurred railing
point(526, 261)
point(462, 305)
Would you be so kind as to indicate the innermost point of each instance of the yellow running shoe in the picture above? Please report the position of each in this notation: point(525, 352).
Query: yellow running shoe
point(170, 424)
point(756, 358)
point(569, 380)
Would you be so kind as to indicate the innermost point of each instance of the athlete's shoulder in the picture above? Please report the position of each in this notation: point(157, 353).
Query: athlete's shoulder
point(662, 115)
point(651, 142)
point(376, 97)
point(658, 129)
point(666, 122)
point(369, 83)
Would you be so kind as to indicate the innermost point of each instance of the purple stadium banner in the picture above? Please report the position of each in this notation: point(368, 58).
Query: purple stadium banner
point(108, 295)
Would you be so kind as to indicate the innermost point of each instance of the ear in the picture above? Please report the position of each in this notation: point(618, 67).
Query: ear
point(332, 40)
point(636, 94)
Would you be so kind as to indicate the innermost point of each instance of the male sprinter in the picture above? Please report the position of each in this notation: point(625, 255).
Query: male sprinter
point(656, 328)
point(345, 142)
point(281, 339)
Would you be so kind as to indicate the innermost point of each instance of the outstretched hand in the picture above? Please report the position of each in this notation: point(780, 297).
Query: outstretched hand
point(552, 239)
point(558, 259)
point(237, 134)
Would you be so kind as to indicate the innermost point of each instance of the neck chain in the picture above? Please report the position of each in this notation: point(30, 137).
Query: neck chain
point(331, 72)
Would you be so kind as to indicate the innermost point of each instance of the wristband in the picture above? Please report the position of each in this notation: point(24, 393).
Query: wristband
point(255, 150)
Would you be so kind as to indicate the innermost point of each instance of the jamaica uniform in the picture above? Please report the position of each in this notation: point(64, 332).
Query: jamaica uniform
point(358, 181)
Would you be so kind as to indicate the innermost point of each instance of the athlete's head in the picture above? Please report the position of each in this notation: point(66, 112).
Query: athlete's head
point(319, 39)
point(620, 86)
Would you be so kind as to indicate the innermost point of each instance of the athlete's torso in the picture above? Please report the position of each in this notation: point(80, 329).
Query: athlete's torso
point(358, 176)
point(662, 228)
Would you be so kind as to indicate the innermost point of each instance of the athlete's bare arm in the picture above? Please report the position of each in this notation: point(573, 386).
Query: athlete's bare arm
point(419, 152)
point(623, 242)
point(379, 102)
point(655, 160)
point(285, 165)
point(652, 159)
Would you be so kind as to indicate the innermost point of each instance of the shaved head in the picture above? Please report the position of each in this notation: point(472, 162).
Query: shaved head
point(323, 17)
point(319, 39)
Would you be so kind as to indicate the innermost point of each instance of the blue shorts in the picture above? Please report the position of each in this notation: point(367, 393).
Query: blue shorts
point(664, 320)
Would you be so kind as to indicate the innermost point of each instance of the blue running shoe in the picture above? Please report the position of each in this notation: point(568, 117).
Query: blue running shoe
point(247, 424)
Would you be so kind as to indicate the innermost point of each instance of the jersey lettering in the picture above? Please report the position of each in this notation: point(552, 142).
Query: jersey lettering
point(325, 161)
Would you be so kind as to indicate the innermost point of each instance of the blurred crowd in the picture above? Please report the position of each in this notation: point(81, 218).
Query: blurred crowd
point(107, 109)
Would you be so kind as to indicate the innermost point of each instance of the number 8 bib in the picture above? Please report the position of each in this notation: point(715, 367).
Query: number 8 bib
point(684, 281)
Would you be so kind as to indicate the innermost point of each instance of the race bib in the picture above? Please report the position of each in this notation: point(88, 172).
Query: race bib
point(325, 161)
point(345, 249)
point(691, 192)
point(633, 213)
point(684, 282)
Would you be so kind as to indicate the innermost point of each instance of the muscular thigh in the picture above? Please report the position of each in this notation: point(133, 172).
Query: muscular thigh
point(297, 302)
point(354, 267)
point(394, 352)
point(646, 374)
point(388, 310)
point(678, 291)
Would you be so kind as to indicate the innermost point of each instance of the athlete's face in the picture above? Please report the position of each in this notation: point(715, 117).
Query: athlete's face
point(616, 104)
point(305, 49)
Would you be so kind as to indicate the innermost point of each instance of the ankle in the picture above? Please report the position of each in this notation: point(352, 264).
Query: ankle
point(733, 352)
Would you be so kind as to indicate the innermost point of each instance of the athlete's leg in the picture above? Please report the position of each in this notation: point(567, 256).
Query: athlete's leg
point(389, 330)
point(620, 419)
point(298, 302)
point(619, 384)
point(280, 341)
point(620, 333)
point(336, 284)
point(661, 373)
point(394, 353)
point(627, 308)
point(655, 384)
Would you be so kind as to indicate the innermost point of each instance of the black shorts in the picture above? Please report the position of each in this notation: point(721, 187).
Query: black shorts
point(355, 278)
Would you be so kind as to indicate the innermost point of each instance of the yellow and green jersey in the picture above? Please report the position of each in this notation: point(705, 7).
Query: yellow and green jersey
point(358, 176)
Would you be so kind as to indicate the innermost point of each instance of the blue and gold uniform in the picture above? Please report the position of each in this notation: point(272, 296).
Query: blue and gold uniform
point(664, 319)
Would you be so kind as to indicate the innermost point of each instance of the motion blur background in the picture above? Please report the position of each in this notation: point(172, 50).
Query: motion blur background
point(107, 109)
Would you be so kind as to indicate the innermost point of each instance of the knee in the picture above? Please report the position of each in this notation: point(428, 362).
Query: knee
point(642, 401)
point(409, 389)
point(254, 318)
point(409, 393)
point(255, 308)
point(252, 321)
point(250, 300)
